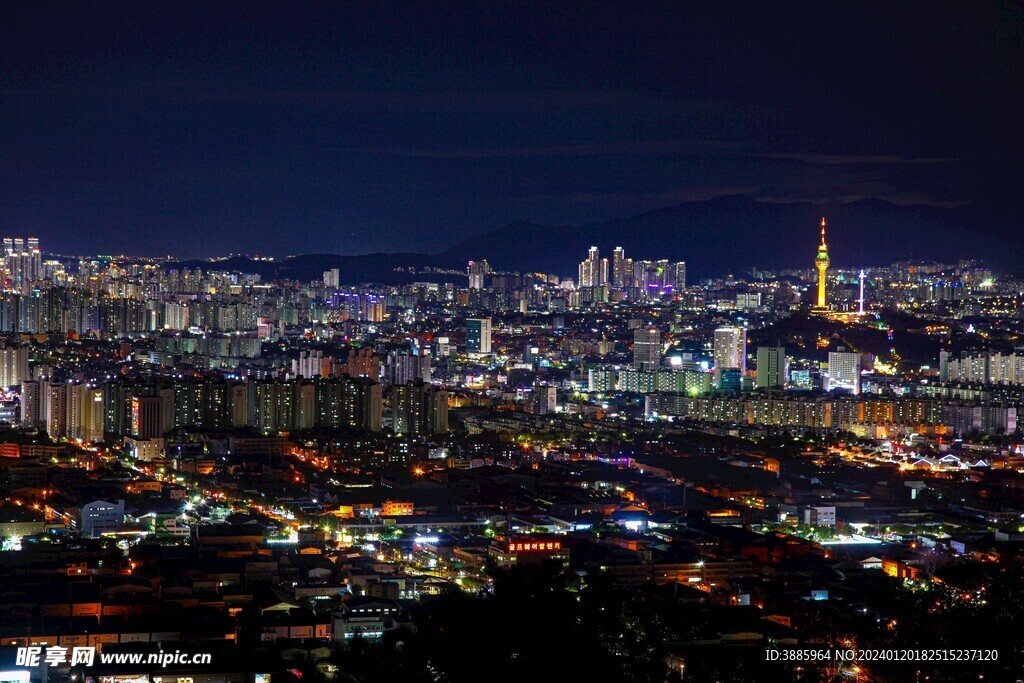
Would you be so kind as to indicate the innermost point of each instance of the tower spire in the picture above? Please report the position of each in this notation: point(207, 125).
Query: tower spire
point(860, 277)
point(821, 263)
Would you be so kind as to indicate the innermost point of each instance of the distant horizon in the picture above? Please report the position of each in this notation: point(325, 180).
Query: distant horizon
point(281, 256)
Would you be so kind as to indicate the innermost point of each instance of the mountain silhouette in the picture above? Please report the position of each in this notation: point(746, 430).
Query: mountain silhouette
point(716, 237)
point(734, 233)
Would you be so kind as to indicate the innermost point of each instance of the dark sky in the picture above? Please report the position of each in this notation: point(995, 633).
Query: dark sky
point(281, 128)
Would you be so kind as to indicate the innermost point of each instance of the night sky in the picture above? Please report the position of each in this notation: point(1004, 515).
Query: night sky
point(283, 128)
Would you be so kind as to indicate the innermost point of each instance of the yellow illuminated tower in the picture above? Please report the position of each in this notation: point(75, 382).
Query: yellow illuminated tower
point(821, 262)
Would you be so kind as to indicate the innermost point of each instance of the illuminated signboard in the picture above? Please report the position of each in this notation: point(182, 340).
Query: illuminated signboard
point(533, 546)
point(125, 678)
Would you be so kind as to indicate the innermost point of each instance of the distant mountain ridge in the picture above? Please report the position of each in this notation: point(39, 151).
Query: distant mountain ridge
point(735, 233)
point(729, 234)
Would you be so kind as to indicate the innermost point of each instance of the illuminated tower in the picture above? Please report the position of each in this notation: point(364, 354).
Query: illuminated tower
point(821, 262)
point(860, 308)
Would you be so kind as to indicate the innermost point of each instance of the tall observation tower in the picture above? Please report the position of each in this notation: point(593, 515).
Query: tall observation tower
point(821, 262)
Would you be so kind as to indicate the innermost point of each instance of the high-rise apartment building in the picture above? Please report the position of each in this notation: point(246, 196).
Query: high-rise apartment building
point(646, 348)
point(13, 366)
point(679, 276)
point(332, 278)
point(478, 335)
point(419, 408)
point(545, 399)
point(594, 271)
point(53, 407)
point(85, 412)
point(31, 403)
point(730, 350)
point(843, 371)
point(147, 417)
point(619, 267)
point(362, 363)
point(476, 271)
point(23, 260)
point(771, 367)
point(311, 364)
point(407, 365)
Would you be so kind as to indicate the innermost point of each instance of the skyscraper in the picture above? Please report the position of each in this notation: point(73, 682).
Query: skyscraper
point(821, 262)
point(476, 272)
point(309, 364)
point(13, 366)
point(31, 403)
point(85, 412)
point(618, 267)
point(593, 272)
point(362, 363)
point(771, 367)
point(843, 371)
point(644, 277)
point(419, 408)
point(646, 348)
point(478, 335)
point(545, 399)
point(23, 259)
point(407, 365)
point(146, 417)
point(53, 407)
point(679, 276)
point(332, 278)
point(730, 350)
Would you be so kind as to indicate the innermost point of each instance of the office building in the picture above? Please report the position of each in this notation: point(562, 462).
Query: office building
point(100, 517)
point(478, 335)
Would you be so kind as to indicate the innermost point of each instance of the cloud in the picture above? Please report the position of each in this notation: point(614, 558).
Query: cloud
point(649, 147)
point(550, 101)
point(898, 198)
point(846, 159)
point(654, 200)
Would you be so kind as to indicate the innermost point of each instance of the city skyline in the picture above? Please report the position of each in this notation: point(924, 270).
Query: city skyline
point(23, 257)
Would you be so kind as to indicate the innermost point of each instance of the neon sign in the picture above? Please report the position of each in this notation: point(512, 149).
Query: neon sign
point(534, 546)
